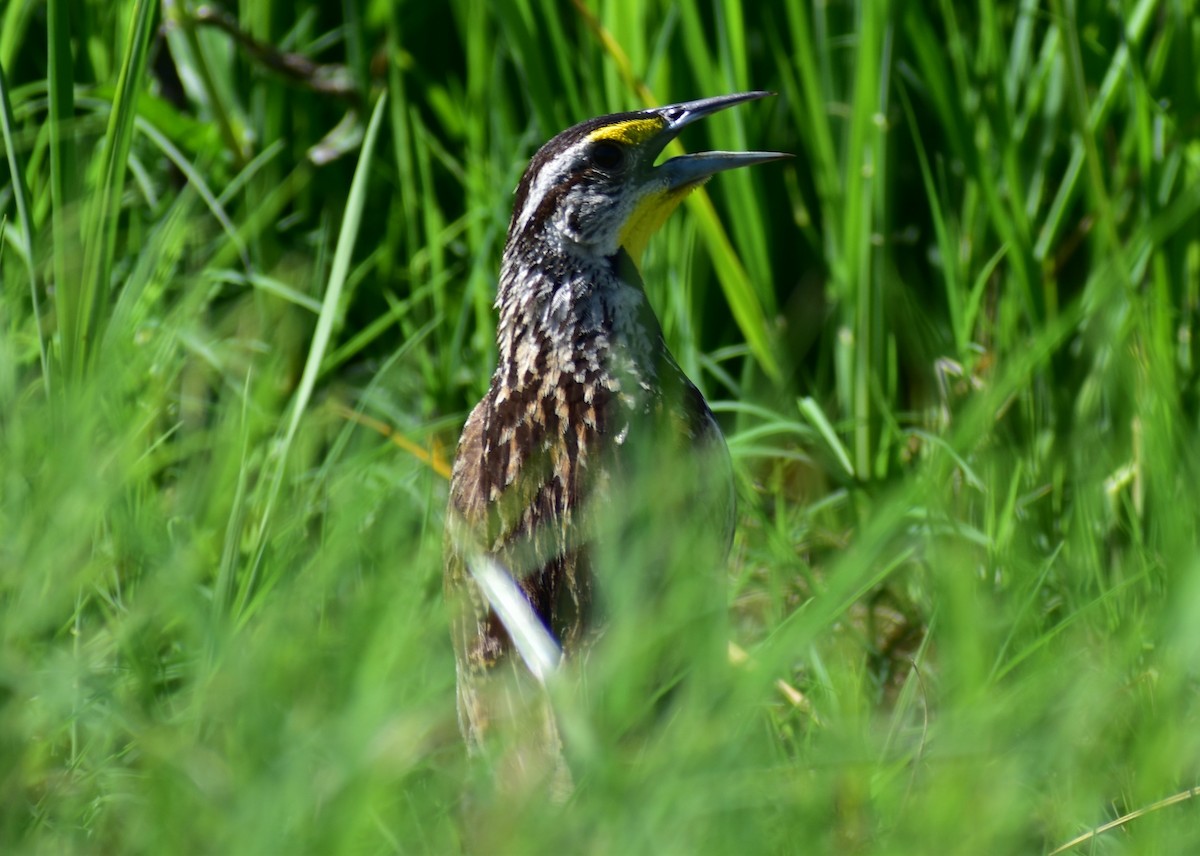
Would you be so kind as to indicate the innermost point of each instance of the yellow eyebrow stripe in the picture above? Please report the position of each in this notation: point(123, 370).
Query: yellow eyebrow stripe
point(632, 132)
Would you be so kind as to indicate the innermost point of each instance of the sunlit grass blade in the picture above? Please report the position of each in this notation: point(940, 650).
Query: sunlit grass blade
point(197, 180)
point(816, 417)
point(1135, 30)
point(249, 590)
point(747, 310)
point(86, 314)
point(24, 220)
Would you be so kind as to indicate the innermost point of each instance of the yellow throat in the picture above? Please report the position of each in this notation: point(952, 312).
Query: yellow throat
point(648, 218)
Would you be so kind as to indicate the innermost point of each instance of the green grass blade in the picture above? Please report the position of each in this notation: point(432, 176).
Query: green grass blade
point(248, 587)
point(88, 311)
point(816, 417)
point(24, 220)
point(64, 170)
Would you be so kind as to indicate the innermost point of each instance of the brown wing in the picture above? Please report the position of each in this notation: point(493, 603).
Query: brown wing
point(517, 481)
point(522, 523)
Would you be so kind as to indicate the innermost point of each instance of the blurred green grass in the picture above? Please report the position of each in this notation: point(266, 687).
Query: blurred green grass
point(952, 344)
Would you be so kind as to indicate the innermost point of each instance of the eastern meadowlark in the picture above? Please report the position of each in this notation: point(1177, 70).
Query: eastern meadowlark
point(583, 379)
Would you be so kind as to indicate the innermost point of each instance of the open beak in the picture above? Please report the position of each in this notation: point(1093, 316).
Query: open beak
point(687, 170)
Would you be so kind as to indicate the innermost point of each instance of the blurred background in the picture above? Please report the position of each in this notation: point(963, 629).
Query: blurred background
point(249, 256)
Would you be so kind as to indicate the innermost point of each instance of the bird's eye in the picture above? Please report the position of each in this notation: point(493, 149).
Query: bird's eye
point(606, 155)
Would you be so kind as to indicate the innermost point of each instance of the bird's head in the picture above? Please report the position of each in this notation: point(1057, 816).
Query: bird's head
point(595, 186)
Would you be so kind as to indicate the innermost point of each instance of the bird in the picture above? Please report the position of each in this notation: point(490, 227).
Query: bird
point(585, 395)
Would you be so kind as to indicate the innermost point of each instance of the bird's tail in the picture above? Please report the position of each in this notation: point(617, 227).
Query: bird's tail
point(505, 711)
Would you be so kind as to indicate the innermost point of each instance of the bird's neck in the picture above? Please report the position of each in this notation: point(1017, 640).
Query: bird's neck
point(577, 313)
